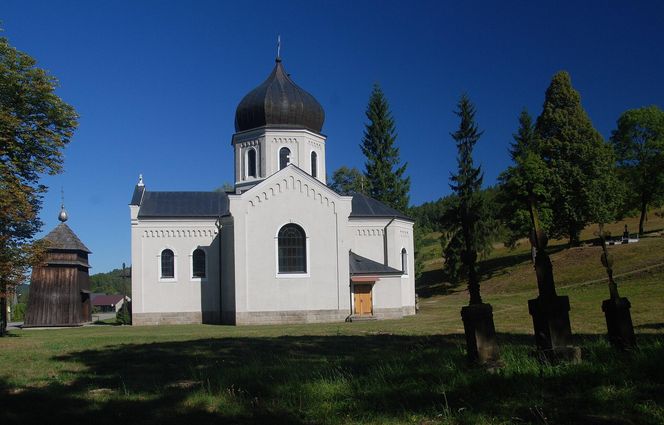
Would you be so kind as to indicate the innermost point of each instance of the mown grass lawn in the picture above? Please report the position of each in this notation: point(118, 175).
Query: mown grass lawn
point(403, 371)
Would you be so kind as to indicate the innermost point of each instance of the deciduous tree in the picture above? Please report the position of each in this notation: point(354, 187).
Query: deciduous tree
point(347, 181)
point(35, 126)
point(639, 145)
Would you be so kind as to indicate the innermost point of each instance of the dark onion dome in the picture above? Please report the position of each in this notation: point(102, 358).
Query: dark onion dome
point(279, 102)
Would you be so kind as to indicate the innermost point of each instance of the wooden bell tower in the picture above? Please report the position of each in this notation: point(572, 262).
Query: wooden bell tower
point(60, 286)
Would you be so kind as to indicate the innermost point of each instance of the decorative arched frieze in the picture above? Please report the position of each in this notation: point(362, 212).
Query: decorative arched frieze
point(370, 232)
point(282, 140)
point(296, 185)
point(249, 143)
point(178, 233)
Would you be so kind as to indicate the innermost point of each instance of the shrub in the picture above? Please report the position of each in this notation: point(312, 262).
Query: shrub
point(18, 312)
point(123, 316)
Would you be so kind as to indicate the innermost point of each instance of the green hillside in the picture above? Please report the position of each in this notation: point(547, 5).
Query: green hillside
point(112, 282)
point(509, 270)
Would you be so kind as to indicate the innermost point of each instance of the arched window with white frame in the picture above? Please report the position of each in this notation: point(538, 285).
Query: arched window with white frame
point(167, 264)
point(404, 261)
point(284, 157)
point(314, 164)
point(251, 163)
point(198, 264)
point(292, 249)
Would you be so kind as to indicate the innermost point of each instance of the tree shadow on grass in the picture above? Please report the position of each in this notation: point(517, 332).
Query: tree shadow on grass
point(497, 266)
point(337, 379)
point(654, 326)
point(651, 232)
point(104, 323)
point(436, 282)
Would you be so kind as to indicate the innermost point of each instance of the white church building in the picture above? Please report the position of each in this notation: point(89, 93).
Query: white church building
point(282, 247)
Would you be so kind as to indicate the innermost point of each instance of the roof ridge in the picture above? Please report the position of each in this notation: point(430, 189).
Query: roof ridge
point(186, 191)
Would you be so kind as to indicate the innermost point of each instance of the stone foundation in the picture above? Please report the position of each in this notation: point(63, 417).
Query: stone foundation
point(174, 318)
point(393, 313)
point(261, 317)
point(293, 316)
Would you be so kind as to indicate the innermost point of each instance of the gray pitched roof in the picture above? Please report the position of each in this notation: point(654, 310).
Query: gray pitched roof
point(137, 196)
point(365, 206)
point(183, 204)
point(361, 265)
point(62, 237)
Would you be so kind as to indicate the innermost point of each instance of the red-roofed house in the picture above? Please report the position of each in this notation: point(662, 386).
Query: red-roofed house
point(108, 303)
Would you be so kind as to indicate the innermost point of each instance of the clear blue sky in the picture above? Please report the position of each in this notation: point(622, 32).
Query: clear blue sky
point(156, 83)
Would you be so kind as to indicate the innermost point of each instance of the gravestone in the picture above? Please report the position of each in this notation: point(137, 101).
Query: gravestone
point(616, 309)
point(480, 333)
point(477, 317)
point(550, 311)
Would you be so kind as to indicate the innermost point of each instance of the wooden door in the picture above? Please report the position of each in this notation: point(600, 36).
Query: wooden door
point(362, 300)
point(86, 308)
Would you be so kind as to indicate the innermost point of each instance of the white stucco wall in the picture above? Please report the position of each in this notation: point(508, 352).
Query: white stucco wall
point(368, 237)
point(228, 270)
point(387, 293)
point(267, 142)
point(381, 240)
point(290, 196)
point(252, 289)
point(400, 236)
point(183, 293)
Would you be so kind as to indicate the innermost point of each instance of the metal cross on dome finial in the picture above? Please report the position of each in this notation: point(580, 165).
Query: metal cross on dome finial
point(279, 46)
point(63, 213)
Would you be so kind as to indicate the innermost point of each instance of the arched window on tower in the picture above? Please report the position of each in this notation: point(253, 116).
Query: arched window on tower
point(284, 157)
point(404, 261)
point(292, 249)
point(167, 264)
point(251, 163)
point(314, 164)
point(198, 264)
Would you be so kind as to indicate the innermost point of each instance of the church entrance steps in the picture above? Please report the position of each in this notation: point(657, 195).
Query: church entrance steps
point(361, 318)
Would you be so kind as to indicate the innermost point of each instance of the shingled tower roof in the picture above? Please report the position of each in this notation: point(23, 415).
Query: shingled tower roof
point(63, 238)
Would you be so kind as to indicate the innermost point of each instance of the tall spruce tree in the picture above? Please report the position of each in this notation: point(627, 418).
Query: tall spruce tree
point(525, 178)
point(467, 221)
point(576, 156)
point(383, 168)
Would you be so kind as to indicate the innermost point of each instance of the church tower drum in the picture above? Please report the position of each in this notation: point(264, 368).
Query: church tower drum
point(277, 124)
